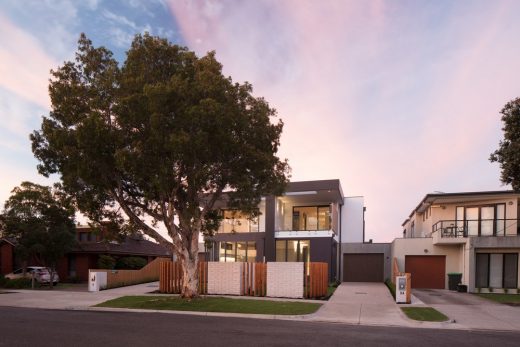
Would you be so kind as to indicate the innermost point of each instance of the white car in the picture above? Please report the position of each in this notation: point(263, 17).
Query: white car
point(41, 274)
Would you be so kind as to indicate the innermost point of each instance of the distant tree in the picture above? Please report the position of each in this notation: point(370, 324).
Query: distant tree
point(106, 262)
point(41, 220)
point(160, 139)
point(508, 153)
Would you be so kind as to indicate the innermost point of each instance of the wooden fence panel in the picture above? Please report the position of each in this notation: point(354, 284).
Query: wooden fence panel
point(120, 278)
point(316, 280)
point(170, 280)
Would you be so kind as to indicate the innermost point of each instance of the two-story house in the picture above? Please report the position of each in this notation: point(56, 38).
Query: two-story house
point(476, 234)
point(303, 224)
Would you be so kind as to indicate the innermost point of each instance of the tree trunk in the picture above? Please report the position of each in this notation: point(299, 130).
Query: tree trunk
point(190, 273)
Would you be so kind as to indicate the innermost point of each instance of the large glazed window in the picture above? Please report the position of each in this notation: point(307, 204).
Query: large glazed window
point(234, 221)
point(237, 251)
point(293, 250)
point(496, 270)
point(311, 218)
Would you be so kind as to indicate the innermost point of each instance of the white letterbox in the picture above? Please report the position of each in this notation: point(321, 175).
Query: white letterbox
point(402, 289)
point(96, 281)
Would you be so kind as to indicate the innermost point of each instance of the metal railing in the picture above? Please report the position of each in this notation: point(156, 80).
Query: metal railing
point(477, 227)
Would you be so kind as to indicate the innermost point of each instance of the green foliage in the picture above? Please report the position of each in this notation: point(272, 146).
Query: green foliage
point(508, 153)
point(41, 220)
point(130, 263)
point(162, 135)
point(3, 280)
point(391, 286)
point(106, 262)
point(20, 283)
point(424, 314)
point(213, 304)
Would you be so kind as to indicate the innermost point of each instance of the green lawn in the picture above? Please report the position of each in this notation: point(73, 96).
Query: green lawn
point(425, 314)
point(502, 298)
point(213, 304)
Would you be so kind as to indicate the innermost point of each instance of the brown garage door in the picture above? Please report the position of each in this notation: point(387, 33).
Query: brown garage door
point(364, 267)
point(428, 271)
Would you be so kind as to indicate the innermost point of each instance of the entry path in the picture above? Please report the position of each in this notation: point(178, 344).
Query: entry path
point(363, 303)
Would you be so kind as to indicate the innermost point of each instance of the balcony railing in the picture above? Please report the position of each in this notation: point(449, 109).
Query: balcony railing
point(477, 227)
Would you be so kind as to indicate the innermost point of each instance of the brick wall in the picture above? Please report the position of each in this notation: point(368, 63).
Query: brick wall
point(285, 280)
point(224, 278)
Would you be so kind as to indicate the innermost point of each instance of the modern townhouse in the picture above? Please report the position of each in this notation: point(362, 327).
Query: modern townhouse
point(476, 234)
point(304, 224)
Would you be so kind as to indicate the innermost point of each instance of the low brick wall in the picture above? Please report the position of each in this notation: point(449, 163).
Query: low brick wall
point(285, 280)
point(225, 278)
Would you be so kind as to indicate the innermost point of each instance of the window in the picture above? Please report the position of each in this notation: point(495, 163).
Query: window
point(311, 218)
point(237, 251)
point(293, 250)
point(496, 270)
point(235, 221)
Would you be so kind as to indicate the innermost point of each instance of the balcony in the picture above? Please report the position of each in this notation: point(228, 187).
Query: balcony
point(457, 231)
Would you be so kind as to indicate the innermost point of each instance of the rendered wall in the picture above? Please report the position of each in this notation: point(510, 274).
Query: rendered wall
point(352, 219)
point(285, 279)
point(224, 278)
point(424, 246)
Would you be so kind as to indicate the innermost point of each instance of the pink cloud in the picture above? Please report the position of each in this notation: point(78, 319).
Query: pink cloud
point(24, 68)
point(369, 93)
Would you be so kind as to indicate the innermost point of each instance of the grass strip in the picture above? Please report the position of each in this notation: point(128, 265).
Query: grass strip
point(213, 304)
point(502, 298)
point(424, 314)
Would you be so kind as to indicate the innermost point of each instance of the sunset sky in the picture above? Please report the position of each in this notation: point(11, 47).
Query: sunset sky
point(395, 98)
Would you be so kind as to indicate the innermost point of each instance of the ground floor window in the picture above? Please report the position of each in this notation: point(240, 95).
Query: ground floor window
point(237, 251)
point(496, 270)
point(293, 250)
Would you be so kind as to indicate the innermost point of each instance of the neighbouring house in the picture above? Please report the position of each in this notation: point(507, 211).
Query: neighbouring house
point(476, 234)
point(7, 259)
point(306, 224)
point(90, 245)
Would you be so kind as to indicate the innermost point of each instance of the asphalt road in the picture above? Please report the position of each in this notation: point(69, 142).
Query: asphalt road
point(33, 327)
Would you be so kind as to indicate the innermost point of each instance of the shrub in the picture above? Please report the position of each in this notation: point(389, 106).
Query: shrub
point(130, 263)
point(3, 280)
point(391, 286)
point(106, 262)
point(20, 283)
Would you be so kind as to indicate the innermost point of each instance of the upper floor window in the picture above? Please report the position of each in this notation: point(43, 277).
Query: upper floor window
point(311, 218)
point(235, 221)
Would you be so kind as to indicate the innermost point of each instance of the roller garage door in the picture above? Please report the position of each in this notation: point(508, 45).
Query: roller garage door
point(363, 267)
point(428, 271)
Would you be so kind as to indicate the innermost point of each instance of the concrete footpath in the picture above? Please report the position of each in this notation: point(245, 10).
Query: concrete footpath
point(352, 303)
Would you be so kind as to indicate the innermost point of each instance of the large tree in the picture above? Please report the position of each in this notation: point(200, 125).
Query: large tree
point(158, 141)
point(41, 220)
point(508, 152)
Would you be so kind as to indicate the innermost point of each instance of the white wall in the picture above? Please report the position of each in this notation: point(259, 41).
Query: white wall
point(352, 219)
point(285, 280)
point(225, 278)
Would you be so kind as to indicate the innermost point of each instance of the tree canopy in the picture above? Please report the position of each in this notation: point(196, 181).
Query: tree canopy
point(158, 140)
point(41, 221)
point(508, 152)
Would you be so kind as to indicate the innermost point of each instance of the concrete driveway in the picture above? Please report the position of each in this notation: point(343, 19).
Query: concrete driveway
point(362, 303)
point(471, 311)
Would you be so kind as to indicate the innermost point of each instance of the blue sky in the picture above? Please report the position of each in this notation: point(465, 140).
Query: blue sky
point(395, 98)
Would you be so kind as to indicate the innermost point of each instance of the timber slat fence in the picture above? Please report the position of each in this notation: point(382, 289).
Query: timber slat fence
point(253, 279)
point(170, 279)
point(316, 281)
point(121, 278)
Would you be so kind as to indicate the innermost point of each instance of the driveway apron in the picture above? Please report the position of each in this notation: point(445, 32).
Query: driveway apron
point(471, 311)
point(362, 303)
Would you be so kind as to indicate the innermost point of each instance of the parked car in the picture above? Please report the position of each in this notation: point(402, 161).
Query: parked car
point(41, 274)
